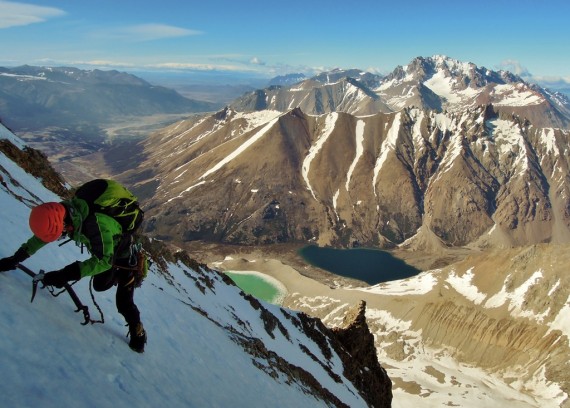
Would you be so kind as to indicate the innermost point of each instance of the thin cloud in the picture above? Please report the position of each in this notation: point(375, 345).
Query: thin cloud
point(515, 67)
point(147, 32)
point(104, 64)
point(256, 61)
point(160, 66)
point(553, 79)
point(14, 14)
point(195, 66)
point(221, 63)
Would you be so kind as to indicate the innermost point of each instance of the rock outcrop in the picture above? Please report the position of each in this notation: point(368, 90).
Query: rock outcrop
point(362, 366)
point(36, 163)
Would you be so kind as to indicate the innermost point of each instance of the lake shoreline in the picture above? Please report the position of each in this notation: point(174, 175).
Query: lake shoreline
point(278, 286)
point(369, 265)
point(283, 262)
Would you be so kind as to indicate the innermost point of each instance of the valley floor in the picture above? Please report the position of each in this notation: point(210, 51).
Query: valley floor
point(287, 255)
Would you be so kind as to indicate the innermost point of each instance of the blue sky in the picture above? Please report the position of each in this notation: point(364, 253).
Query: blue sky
point(268, 38)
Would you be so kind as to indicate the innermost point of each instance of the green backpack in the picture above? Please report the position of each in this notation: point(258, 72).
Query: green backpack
point(113, 199)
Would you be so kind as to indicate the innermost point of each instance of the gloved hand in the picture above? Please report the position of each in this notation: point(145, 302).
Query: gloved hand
point(60, 278)
point(9, 263)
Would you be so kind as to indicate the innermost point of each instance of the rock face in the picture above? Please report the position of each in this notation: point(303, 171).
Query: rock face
point(411, 178)
point(36, 163)
point(362, 362)
point(353, 343)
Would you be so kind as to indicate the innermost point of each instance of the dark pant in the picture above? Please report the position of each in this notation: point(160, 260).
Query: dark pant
point(125, 292)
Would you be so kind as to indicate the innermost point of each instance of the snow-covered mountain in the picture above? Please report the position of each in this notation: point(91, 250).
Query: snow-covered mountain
point(415, 178)
point(339, 90)
point(208, 343)
point(436, 83)
point(440, 82)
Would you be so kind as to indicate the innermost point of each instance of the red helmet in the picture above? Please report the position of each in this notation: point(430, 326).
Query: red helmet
point(46, 221)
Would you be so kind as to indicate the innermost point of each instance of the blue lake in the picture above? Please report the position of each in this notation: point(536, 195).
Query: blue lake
point(368, 265)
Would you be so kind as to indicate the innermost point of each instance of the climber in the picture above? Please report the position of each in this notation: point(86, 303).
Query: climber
point(102, 217)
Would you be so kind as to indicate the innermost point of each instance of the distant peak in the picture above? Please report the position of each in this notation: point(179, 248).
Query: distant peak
point(442, 58)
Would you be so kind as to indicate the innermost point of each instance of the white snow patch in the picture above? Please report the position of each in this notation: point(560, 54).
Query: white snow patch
point(442, 86)
point(388, 145)
point(330, 122)
point(182, 134)
point(418, 285)
point(515, 95)
point(389, 320)
point(23, 77)
point(359, 150)
point(335, 200)
point(180, 175)
point(240, 149)
point(186, 190)
point(562, 320)
point(550, 141)
point(554, 288)
point(515, 298)
point(464, 286)
point(417, 137)
point(454, 151)
point(256, 119)
point(508, 139)
point(6, 134)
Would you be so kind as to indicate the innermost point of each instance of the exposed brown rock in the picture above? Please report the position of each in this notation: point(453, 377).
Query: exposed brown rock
point(361, 362)
point(476, 177)
point(36, 163)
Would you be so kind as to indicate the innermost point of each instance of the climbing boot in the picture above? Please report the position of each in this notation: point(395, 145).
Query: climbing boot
point(138, 337)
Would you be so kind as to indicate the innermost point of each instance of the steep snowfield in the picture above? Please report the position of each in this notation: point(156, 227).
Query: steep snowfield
point(195, 324)
point(314, 150)
point(240, 150)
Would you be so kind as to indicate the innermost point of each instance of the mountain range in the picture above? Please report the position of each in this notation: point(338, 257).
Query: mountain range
point(439, 157)
point(38, 97)
point(468, 174)
point(433, 83)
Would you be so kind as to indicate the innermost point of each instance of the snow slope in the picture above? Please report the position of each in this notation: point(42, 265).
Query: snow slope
point(196, 327)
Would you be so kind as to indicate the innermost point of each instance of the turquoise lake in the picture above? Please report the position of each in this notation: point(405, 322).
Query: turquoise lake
point(372, 266)
point(258, 285)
